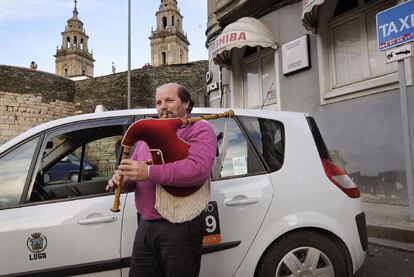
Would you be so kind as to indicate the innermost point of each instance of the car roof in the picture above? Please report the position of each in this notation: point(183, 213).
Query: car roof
point(278, 115)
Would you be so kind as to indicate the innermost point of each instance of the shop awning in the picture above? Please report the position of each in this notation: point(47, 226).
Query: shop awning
point(310, 14)
point(246, 31)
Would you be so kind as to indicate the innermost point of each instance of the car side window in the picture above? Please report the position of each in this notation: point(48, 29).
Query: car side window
point(14, 168)
point(78, 163)
point(99, 159)
point(102, 155)
point(234, 155)
point(268, 136)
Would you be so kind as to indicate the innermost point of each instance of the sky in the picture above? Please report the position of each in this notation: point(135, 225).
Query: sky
point(30, 30)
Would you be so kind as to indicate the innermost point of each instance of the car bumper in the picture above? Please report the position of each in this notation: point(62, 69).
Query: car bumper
point(354, 224)
point(362, 230)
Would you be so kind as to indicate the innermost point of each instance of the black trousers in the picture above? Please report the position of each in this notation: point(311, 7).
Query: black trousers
point(164, 249)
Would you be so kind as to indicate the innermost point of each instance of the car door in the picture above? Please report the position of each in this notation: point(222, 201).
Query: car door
point(241, 193)
point(61, 227)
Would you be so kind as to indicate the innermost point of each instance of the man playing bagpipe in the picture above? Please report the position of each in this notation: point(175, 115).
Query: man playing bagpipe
point(170, 196)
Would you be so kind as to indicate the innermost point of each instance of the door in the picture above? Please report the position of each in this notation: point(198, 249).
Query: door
point(241, 195)
point(242, 190)
point(77, 236)
point(62, 225)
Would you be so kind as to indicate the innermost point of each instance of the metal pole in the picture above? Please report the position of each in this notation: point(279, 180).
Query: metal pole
point(129, 55)
point(407, 139)
point(221, 87)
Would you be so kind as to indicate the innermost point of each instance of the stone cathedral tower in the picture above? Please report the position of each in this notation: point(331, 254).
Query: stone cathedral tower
point(73, 59)
point(169, 44)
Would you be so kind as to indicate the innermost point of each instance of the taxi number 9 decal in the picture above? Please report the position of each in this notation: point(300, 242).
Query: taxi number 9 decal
point(212, 232)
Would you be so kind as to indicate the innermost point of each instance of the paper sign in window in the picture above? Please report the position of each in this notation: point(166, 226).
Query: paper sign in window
point(239, 165)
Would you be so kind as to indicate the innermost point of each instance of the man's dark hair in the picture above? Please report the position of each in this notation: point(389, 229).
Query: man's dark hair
point(185, 96)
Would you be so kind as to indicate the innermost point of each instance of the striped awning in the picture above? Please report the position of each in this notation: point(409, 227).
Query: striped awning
point(310, 14)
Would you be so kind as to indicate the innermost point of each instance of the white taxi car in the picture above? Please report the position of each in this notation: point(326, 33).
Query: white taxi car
point(279, 206)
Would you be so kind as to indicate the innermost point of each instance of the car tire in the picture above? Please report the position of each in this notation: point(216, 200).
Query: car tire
point(73, 177)
point(304, 253)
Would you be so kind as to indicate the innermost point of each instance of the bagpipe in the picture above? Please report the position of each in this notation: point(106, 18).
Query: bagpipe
point(160, 134)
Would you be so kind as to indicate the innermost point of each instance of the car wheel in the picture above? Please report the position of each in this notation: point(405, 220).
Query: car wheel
point(74, 177)
point(303, 253)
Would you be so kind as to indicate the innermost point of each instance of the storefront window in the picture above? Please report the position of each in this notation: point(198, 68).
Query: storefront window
point(251, 85)
point(259, 88)
point(352, 36)
point(348, 52)
point(350, 64)
point(377, 63)
point(268, 79)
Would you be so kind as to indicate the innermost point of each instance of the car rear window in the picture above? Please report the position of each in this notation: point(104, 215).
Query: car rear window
point(269, 138)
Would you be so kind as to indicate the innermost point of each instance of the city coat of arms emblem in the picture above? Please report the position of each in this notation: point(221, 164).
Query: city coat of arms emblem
point(37, 243)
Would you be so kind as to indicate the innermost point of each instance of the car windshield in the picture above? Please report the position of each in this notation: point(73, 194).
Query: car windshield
point(14, 168)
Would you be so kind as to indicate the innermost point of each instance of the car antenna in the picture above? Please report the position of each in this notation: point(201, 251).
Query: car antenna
point(267, 95)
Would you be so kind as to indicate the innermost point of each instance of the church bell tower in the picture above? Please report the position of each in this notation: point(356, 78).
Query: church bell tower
point(169, 44)
point(73, 59)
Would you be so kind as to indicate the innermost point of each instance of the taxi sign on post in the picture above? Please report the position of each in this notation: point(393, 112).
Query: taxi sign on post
point(395, 26)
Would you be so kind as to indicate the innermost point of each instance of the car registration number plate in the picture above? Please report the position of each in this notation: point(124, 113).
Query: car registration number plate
point(212, 231)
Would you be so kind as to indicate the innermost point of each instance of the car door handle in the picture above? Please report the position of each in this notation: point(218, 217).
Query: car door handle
point(97, 220)
point(242, 200)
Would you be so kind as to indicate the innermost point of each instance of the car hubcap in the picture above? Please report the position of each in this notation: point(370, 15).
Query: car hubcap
point(305, 262)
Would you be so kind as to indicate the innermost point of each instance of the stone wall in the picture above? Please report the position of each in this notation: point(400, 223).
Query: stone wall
point(19, 112)
point(191, 75)
point(29, 97)
point(111, 90)
point(24, 80)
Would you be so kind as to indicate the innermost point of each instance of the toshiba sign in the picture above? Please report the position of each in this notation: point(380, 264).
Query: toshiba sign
point(229, 37)
point(246, 31)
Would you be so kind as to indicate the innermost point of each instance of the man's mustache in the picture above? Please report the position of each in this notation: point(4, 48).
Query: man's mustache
point(166, 115)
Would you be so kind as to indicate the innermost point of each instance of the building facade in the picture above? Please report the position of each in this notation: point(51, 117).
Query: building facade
point(169, 43)
point(73, 59)
point(318, 57)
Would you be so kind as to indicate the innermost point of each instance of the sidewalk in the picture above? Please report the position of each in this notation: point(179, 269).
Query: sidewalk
point(388, 225)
